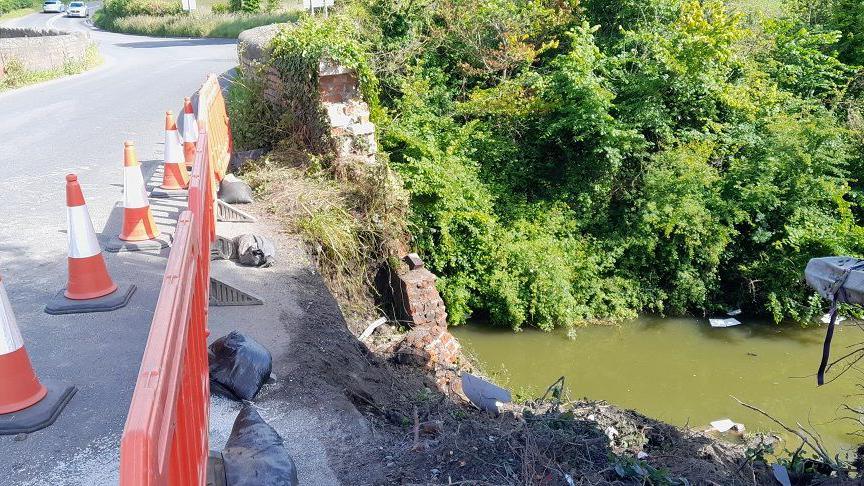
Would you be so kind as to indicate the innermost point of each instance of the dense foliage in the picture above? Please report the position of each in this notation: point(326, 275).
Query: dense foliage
point(570, 162)
point(10, 5)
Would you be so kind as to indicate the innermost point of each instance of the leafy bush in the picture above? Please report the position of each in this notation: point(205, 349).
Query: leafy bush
point(128, 8)
point(569, 164)
point(10, 5)
point(220, 8)
point(246, 6)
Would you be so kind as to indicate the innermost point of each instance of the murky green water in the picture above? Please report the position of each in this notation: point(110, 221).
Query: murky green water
point(681, 371)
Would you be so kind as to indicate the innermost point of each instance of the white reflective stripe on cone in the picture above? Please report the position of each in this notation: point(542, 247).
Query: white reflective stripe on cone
point(190, 128)
point(134, 193)
point(173, 147)
point(80, 233)
point(10, 336)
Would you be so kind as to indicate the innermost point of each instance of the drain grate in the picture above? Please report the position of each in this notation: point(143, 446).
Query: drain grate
point(222, 294)
point(229, 214)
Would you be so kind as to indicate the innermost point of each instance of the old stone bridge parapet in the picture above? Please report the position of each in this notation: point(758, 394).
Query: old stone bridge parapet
point(40, 50)
point(338, 87)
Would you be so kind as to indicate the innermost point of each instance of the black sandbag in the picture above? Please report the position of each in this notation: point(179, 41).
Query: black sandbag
point(255, 250)
point(239, 366)
point(255, 454)
point(234, 191)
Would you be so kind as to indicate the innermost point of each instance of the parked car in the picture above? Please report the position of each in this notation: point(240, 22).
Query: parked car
point(77, 9)
point(53, 6)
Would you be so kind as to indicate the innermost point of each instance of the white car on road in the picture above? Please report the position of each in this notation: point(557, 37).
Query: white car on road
point(77, 9)
point(53, 6)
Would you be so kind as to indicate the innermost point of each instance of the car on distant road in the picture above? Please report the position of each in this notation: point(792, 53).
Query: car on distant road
point(77, 9)
point(53, 6)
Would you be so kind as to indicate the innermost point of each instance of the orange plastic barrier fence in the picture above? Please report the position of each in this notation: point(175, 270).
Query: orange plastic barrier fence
point(213, 115)
point(165, 440)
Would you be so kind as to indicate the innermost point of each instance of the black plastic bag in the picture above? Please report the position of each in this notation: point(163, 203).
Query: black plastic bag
point(239, 366)
point(234, 191)
point(255, 250)
point(255, 453)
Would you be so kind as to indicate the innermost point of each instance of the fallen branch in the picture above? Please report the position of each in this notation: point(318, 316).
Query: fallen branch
point(807, 437)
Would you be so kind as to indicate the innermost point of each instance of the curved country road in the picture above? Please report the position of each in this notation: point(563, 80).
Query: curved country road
point(78, 124)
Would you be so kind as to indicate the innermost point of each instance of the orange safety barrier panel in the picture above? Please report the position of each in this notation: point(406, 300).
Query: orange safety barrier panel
point(165, 440)
point(212, 114)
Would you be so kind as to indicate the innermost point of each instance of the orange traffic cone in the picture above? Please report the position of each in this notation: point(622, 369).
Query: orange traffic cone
point(26, 405)
point(89, 287)
point(88, 276)
point(190, 131)
point(19, 386)
point(175, 177)
point(138, 224)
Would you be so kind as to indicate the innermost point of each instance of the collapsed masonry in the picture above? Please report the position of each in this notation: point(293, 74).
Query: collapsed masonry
point(417, 304)
point(411, 288)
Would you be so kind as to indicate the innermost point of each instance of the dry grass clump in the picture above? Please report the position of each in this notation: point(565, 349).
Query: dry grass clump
point(352, 216)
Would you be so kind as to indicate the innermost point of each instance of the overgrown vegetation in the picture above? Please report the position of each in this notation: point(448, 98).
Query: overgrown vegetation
point(348, 214)
point(11, 7)
point(167, 18)
point(572, 162)
point(16, 74)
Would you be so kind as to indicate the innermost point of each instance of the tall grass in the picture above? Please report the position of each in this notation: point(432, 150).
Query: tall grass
point(226, 25)
point(166, 19)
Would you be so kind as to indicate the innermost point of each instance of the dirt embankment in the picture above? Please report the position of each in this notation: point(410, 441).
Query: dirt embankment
point(389, 424)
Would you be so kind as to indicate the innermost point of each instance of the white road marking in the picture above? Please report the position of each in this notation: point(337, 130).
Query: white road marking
point(50, 22)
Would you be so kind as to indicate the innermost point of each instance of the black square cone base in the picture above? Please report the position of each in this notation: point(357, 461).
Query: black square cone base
point(166, 193)
point(39, 415)
point(60, 304)
point(116, 245)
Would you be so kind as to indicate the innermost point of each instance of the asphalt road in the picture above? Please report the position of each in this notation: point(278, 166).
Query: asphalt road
point(78, 124)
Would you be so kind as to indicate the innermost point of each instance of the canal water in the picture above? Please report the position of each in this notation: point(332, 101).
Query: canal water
point(682, 371)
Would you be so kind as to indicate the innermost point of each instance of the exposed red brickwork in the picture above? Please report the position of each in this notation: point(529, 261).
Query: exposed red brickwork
point(338, 88)
point(428, 344)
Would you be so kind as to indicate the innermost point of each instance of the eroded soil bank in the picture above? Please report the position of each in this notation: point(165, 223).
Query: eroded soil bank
point(387, 423)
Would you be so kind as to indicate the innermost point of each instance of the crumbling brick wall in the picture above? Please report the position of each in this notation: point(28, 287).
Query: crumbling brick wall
point(417, 304)
point(338, 87)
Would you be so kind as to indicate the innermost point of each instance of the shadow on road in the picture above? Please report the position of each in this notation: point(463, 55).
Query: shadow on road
point(176, 43)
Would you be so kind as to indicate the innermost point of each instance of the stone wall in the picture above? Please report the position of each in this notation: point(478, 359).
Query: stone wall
point(41, 50)
point(338, 88)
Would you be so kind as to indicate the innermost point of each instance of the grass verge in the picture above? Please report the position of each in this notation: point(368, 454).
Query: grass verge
point(204, 22)
point(19, 11)
point(222, 25)
point(17, 75)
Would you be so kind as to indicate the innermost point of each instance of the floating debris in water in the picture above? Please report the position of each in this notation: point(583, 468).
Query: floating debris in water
point(724, 322)
point(826, 319)
point(725, 425)
point(733, 312)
